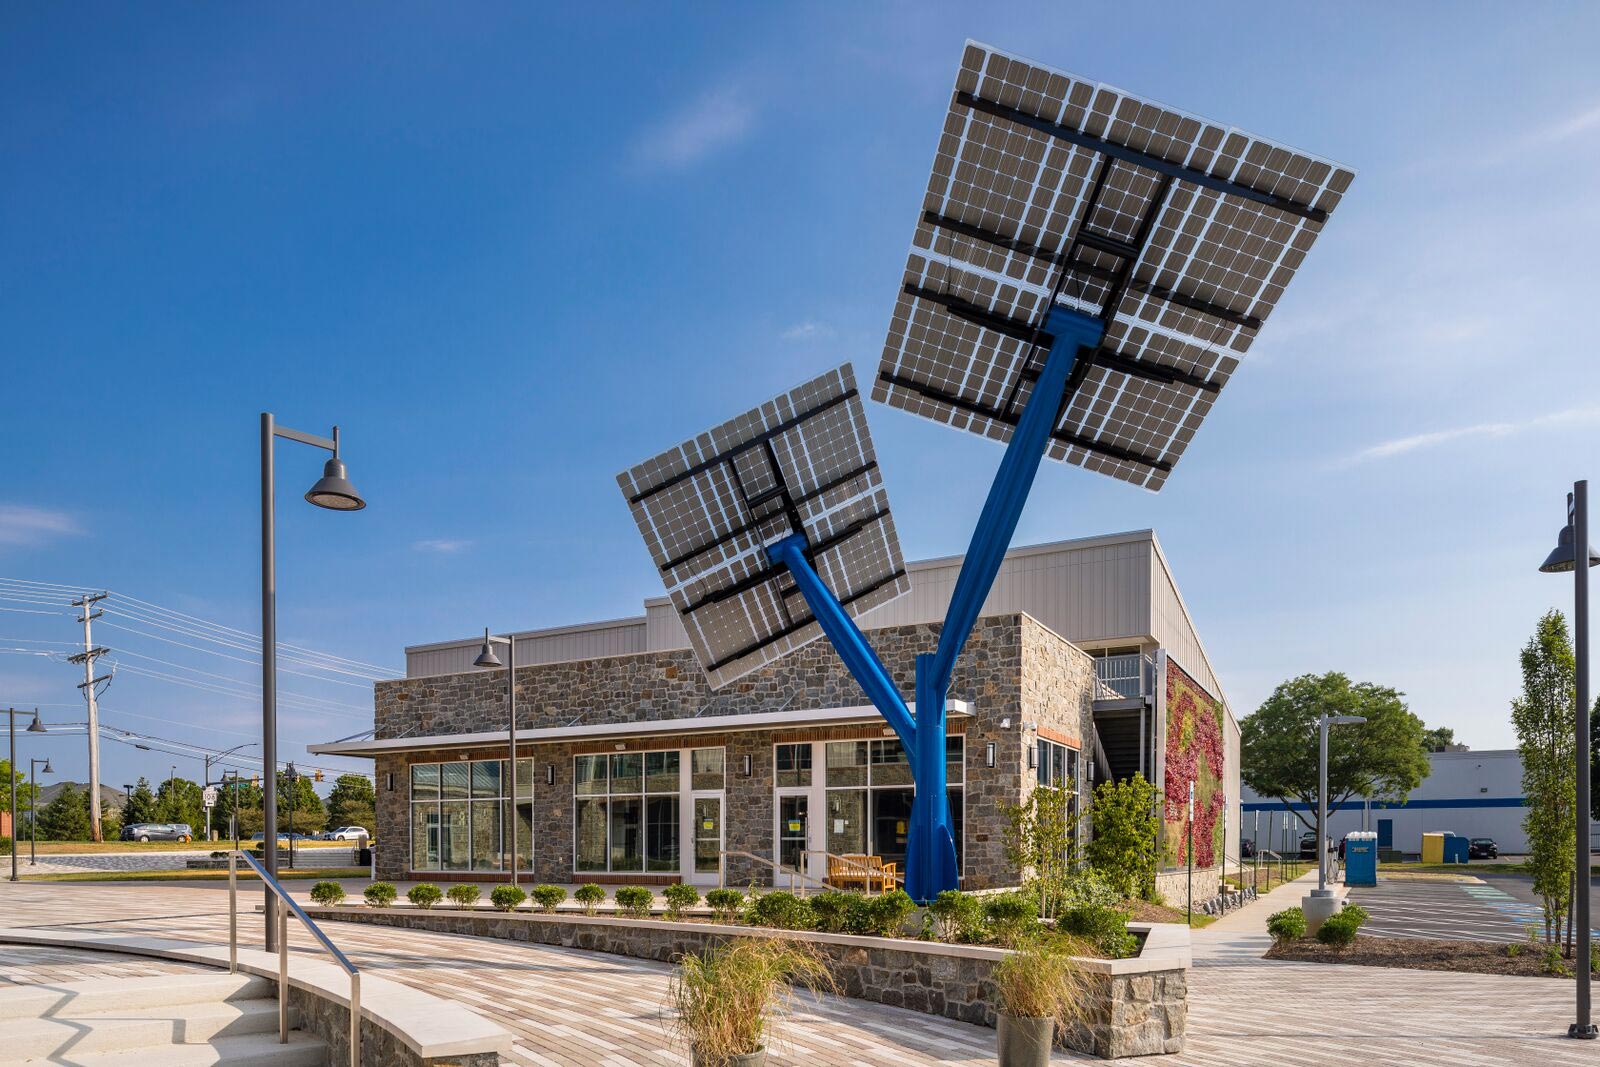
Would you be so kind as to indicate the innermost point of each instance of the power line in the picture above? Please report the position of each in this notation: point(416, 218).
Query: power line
point(237, 659)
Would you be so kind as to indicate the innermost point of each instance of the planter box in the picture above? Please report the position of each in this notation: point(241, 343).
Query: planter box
point(1140, 1005)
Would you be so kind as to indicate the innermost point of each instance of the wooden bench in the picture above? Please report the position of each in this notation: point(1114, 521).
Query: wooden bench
point(867, 872)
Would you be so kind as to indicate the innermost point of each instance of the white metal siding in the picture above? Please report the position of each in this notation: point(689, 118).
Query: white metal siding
point(562, 645)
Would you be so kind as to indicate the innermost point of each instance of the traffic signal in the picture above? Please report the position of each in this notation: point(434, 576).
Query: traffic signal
point(317, 776)
point(255, 781)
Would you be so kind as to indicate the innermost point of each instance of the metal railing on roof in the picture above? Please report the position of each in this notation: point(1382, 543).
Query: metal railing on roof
point(1129, 674)
point(284, 906)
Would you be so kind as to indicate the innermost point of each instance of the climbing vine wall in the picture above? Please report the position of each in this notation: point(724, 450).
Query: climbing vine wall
point(1194, 753)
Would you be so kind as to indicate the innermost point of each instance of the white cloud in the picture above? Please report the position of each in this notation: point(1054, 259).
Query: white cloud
point(24, 526)
point(715, 120)
point(807, 331)
point(443, 545)
point(1400, 445)
point(1570, 126)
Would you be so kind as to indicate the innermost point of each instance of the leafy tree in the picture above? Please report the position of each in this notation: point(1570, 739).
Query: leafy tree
point(1039, 843)
point(1542, 717)
point(1384, 758)
point(309, 815)
point(141, 805)
point(1125, 847)
point(25, 792)
point(249, 798)
point(1438, 738)
point(352, 801)
point(179, 800)
point(66, 818)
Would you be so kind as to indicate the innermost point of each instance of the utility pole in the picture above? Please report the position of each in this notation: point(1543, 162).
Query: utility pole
point(87, 657)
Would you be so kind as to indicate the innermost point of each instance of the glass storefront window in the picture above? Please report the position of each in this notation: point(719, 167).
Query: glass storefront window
point(458, 816)
point(870, 794)
point(847, 821)
point(425, 836)
point(627, 834)
point(793, 764)
point(590, 776)
point(425, 781)
point(705, 768)
point(455, 841)
point(453, 780)
point(485, 778)
point(627, 772)
point(524, 780)
point(487, 847)
point(889, 764)
point(847, 763)
point(661, 833)
point(590, 832)
point(661, 772)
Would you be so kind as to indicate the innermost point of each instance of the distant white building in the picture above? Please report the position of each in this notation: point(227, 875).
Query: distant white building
point(1473, 794)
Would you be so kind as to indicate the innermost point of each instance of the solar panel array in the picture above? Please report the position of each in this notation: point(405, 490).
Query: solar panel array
point(1180, 233)
point(800, 463)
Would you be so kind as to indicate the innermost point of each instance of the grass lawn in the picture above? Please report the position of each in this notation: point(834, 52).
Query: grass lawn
point(1146, 912)
point(196, 876)
point(61, 848)
point(1272, 875)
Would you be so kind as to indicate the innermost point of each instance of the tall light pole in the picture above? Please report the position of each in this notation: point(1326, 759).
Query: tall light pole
point(1562, 559)
point(35, 727)
point(489, 660)
point(333, 491)
point(33, 812)
point(1320, 904)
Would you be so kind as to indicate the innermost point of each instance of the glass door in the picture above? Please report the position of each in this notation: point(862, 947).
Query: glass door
point(793, 828)
point(707, 840)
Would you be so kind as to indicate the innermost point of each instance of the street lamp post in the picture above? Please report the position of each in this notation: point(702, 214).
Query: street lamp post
point(208, 760)
point(489, 660)
point(35, 727)
point(1562, 559)
point(291, 778)
point(333, 491)
point(33, 812)
point(1320, 904)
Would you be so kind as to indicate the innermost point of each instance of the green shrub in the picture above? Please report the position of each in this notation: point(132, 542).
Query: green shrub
point(832, 909)
point(1012, 916)
point(1088, 888)
point(634, 901)
point(1594, 958)
point(957, 916)
point(550, 897)
point(782, 910)
point(1106, 929)
point(1124, 848)
point(424, 894)
point(882, 915)
point(1339, 929)
point(589, 895)
point(1513, 950)
point(680, 898)
point(1287, 925)
point(1552, 963)
point(508, 897)
point(464, 895)
point(379, 894)
point(328, 893)
point(725, 904)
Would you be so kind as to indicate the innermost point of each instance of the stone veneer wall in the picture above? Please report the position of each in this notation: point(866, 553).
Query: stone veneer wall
point(1138, 1008)
point(1012, 668)
point(1174, 885)
point(330, 1021)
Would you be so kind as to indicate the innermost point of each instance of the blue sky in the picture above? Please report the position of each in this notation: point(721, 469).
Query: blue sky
point(512, 251)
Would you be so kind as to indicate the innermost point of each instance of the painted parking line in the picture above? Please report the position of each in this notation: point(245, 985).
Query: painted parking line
point(1463, 909)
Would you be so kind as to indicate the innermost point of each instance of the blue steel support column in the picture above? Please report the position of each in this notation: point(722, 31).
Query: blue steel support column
point(851, 644)
point(930, 847)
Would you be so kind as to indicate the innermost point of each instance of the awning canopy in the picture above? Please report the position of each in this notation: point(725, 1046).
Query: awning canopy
point(621, 731)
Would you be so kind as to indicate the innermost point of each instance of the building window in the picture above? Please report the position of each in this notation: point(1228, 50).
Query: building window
point(870, 792)
point(793, 765)
point(459, 812)
point(1058, 767)
point(625, 815)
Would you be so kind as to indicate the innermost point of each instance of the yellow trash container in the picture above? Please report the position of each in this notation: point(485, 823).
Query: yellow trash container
point(1433, 847)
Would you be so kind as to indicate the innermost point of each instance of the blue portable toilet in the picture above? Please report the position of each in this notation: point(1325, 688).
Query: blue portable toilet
point(1361, 858)
point(1455, 848)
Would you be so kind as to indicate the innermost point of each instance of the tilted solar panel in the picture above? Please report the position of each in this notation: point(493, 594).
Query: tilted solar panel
point(800, 463)
point(1179, 233)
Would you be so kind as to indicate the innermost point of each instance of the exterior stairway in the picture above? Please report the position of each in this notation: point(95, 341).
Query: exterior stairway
point(169, 1020)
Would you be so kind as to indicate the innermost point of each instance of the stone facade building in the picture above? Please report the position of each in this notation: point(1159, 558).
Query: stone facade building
point(630, 768)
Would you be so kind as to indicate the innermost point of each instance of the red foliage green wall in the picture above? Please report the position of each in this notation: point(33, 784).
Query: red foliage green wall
point(1194, 753)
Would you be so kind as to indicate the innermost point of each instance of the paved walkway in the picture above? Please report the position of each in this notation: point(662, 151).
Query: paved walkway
point(577, 1009)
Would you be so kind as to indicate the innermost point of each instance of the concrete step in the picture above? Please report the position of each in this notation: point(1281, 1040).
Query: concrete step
point(250, 1050)
point(127, 994)
point(83, 1033)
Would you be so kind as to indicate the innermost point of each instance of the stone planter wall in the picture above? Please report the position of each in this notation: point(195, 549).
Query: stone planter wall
point(330, 1020)
point(1174, 885)
point(1140, 1006)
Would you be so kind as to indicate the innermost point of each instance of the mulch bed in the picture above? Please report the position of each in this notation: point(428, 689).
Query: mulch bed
point(1422, 954)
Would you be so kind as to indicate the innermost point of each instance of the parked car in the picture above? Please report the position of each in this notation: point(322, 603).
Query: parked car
point(346, 833)
point(157, 831)
point(1482, 848)
point(1308, 845)
point(1247, 849)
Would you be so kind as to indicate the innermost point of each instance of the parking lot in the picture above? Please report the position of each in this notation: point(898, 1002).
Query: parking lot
point(1465, 907)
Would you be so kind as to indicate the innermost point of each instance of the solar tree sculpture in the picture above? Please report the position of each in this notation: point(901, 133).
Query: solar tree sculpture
point(1085, 273)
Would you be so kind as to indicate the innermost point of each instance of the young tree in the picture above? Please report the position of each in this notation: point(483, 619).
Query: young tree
point(66, 818)
point(1126, 835)
point(1384, 758)
point(352, 801)
point(141, 805)
point(1039, 842)
point(1542, 717)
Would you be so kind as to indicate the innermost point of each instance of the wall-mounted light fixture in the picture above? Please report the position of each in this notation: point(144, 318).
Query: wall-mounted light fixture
point(746, 765)
point(1005, 723)
point(1033, 757)
point(388, 782)
point(549, 774)
point(620, 747)
point(988, 754)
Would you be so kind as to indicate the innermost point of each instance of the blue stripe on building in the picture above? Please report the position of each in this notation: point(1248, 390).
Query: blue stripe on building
point(1357, 805)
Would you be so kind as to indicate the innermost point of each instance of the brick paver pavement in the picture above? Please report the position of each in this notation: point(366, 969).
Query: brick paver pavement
point(568, 1008)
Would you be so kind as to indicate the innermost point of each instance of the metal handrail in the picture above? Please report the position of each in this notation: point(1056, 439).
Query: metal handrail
point(286, 905)
point(722, 870)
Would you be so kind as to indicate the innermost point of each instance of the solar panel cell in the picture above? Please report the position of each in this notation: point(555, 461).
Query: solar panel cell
point(1180, 233)
point(802, 462)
